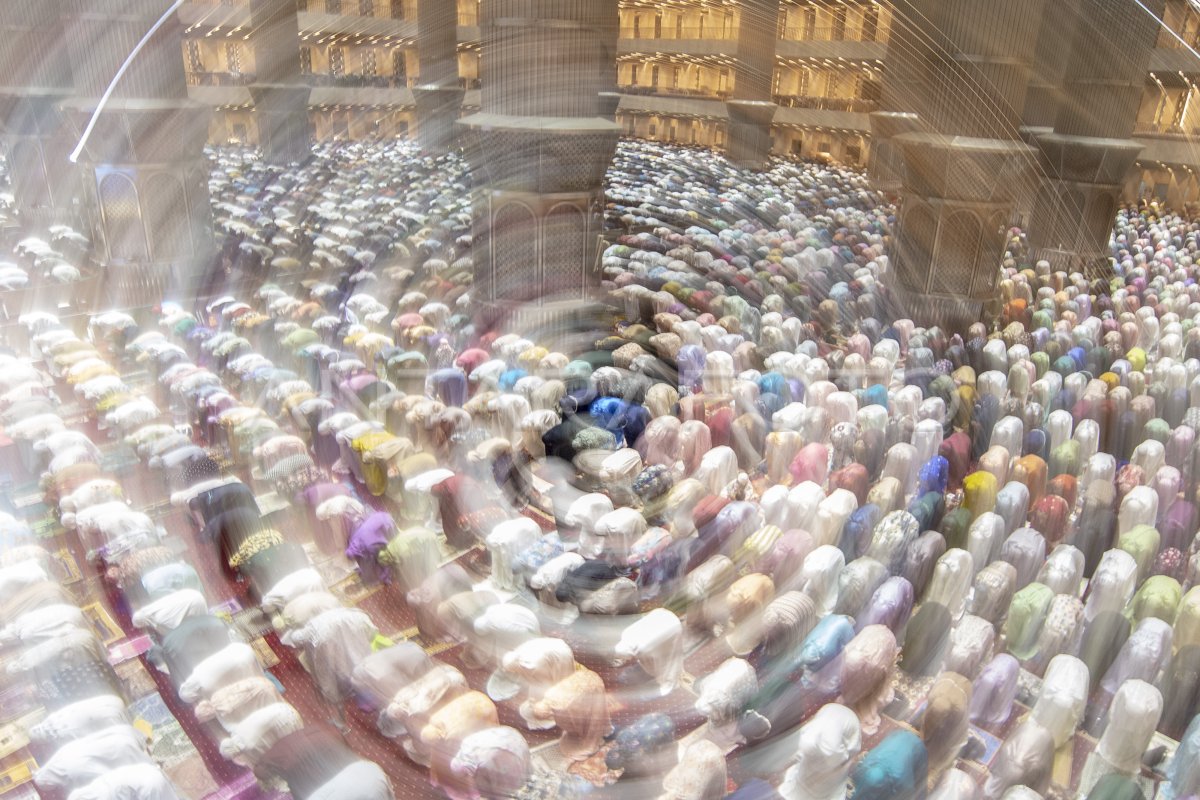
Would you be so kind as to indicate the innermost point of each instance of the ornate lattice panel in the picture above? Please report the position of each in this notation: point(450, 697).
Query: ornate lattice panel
point(917, 233)
point(122, 218)
point(577, 163)
point(514, 253)
point(168, 217)
point(564, 252)
point(956, 254)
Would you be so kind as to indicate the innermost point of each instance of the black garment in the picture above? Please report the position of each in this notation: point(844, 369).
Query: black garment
point(307, 759)
point(230, 528)
point(230, 497)
point(194, 640)
point(558, 440)
point(584, 579)
point(61, 683)
point(197, 470)
point(265, 569)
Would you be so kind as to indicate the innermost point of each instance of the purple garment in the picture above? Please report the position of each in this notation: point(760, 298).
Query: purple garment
point(891, 605)
point(1178, 525)
point(691, 360)
point(318, 493)
point(713, 537)
point(448, 385)
point(994, 691)
point(371, 536)
point(783, 562)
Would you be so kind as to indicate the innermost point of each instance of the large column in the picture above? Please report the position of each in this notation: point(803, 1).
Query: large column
point(751, 108)
point(35, 75)
point(145, 180)
point(538, 151)
point(964, 171)
point(438, 96)
point(1089, 153)
point(280, 93)
point(904, 81)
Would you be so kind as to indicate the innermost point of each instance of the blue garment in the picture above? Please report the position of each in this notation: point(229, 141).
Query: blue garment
point(754, 790)
point(876, 395)
point(509, 378)
point(772, 383)
point(934, 476)
point(825, 642)
point(1183, 773)
point(895, 769)
point(857, 532)
point(448, 385)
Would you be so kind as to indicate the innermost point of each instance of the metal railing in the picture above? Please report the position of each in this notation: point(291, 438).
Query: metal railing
point(802, 33)
point(1164, 130)
point(675, 32)
point(219, 79)
point(853, 104)
point(364, 81)
point(663, 91)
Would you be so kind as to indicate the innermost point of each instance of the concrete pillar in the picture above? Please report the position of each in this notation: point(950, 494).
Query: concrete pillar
point(538, 151)
point(964, 171)
point(279, 91)
point(885, 164)
point(751, 108)
point(438, 95)
point(35, 75)
point(897, 114)
point(145, 180)
point(1087, 156)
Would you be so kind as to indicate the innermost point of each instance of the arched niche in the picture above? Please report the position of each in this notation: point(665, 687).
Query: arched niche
point(122, 215)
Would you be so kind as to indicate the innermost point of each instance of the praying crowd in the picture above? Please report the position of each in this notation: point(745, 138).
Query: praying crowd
point(742, 529)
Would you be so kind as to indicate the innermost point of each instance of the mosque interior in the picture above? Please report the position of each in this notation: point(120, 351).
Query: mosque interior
point(663, 399)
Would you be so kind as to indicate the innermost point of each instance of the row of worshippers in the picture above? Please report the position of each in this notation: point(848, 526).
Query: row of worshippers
point(822, 442)
point(154, 587)
point(83, 735)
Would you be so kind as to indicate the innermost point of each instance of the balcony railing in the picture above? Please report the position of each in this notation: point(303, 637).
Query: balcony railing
point(219, 79)
point(364, 81)
point(663, 91)
point(674, 32)
point(802, 33)
point(852, 104)
point(1163, 130)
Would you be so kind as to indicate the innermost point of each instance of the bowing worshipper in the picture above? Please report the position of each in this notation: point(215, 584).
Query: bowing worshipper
point(767, 319)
